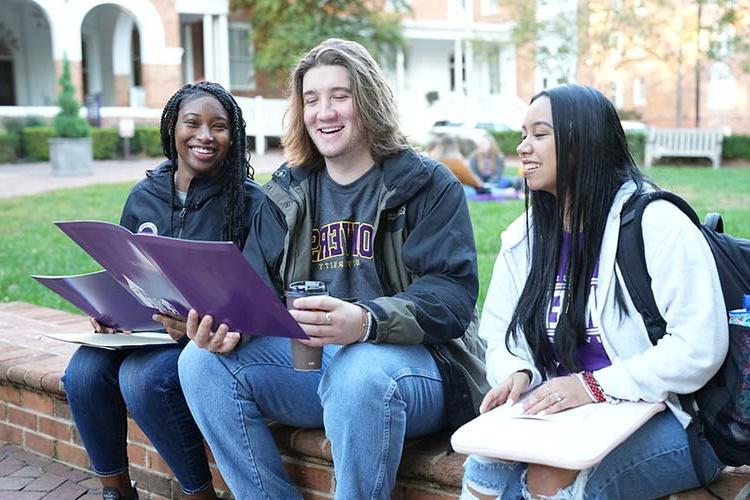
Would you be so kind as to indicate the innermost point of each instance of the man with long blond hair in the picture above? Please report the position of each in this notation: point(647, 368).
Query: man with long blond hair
point(388, 231)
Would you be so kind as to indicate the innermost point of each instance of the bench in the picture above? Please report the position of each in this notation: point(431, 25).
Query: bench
point(34, 415)
point(684, 143)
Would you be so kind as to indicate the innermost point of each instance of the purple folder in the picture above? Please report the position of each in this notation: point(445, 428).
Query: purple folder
point(173, 276)
point(104, 299)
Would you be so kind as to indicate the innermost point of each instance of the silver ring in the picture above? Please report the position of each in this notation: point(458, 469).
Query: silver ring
point(558, 397)
point(328, 317)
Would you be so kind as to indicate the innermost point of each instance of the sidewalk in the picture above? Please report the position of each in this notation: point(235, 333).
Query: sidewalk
point(22, 179)
point(28, 476)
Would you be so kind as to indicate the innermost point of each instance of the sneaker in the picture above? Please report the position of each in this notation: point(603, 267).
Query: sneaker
point(112, 493)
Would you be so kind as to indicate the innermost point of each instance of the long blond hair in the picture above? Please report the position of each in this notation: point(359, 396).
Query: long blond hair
point(373, 102)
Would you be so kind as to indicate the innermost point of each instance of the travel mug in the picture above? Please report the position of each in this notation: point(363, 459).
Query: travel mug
point(304, 357)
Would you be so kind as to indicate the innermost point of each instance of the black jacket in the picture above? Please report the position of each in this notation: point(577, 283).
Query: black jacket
point(425, 258)
point(150, 207)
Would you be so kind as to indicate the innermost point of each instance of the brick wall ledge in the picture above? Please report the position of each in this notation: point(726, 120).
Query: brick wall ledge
point(35, 415)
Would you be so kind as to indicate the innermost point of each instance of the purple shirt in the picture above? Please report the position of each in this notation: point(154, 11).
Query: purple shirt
point(591, 355)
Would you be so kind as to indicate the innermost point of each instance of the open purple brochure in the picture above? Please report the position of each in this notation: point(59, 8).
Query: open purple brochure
point(104, 299)
point(173, 276)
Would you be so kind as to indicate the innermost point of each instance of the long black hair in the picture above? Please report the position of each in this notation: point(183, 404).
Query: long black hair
point(593, 161)
point(235, 168)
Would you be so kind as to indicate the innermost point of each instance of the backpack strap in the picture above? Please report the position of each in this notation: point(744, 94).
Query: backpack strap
point(714, 222)
point(631, 258)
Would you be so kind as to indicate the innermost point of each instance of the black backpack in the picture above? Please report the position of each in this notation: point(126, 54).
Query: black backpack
point(721, 408)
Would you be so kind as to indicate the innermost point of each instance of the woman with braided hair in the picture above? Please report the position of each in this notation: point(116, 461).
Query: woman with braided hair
point(203, 191)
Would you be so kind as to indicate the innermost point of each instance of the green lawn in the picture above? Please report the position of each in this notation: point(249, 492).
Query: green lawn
point(31, 244)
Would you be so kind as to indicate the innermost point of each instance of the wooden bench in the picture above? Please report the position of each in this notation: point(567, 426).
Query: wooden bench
point(684, 143)
point(34, 414)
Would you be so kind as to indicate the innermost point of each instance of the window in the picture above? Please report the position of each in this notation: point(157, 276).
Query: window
point(639, 92)
point(241, 69)
point(615, 93)
point(135, 54)
point(493, 63)
point(451, 66)
point(489, 7)
point(722, 88)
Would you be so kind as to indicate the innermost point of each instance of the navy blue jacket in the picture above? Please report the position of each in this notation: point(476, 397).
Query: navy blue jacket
point(150, 208)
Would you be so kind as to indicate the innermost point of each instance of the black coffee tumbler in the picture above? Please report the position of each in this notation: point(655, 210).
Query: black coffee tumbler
point(304, 357)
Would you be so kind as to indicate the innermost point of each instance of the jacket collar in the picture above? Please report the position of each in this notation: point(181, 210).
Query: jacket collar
point(202, 188)
point(404, 174)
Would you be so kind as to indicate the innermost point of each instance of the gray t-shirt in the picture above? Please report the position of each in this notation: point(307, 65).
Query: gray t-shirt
point(343, 234)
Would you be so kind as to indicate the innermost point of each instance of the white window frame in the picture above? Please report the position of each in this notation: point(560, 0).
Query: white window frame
point(639, 92)
point(489, 7)
point(244, 27)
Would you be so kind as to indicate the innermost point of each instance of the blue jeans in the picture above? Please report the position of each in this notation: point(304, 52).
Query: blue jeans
point(368, 397)
point(653, 462)
point(103, 385)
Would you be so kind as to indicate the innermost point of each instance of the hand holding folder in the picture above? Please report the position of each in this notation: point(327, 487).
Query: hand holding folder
point(172, 276)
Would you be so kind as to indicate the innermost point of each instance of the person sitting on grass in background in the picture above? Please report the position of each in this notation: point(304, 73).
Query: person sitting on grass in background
point(203, 191)
point(446, 150)
point(559, 323)
point(382, 226)
point(487, 162)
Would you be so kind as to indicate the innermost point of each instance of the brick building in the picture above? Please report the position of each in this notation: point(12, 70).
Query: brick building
point(128, 56)
point(461, 61)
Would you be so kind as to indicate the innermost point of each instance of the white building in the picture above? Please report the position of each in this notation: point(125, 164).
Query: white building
point(123, 53)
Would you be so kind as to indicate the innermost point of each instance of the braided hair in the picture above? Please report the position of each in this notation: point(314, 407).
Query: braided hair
point(236, 166)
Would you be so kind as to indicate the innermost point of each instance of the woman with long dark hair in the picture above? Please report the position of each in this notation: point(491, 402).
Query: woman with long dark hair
point(203, 191)
point(561, 328)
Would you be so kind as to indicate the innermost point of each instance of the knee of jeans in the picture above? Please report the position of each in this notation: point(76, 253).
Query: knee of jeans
point(197, 369)
point(573, 491)
point(88, 369)
point(489, 477)
point(352, 376)
point(140, 383)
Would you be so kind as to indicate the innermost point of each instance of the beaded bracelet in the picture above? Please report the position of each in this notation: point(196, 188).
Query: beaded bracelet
point(594, 389)
point(579, 376)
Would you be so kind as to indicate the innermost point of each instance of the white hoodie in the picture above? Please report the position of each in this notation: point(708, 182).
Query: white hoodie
point(686, 287)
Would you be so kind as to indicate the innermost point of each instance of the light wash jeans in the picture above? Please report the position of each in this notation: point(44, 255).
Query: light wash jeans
point(102, 386)
point(368, 397)
point(654, 462)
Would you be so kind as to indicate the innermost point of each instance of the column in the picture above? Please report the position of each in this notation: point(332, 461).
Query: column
point(208, 48)
point(469, 51)
point(400, 70)
point(222, 52)
point(188, 74)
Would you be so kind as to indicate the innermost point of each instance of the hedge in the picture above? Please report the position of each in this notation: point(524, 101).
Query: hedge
point(736, 146)
point(105, 143)
point(637, 145)
point(8, 146)
point(35, 142)
point(508, 141)
point(147, 140)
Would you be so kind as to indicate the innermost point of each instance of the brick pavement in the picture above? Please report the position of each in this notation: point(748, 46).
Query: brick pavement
point(28, 476)
point(21, 179)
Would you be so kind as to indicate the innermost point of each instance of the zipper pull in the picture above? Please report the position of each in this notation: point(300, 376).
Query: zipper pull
point(182, 221)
